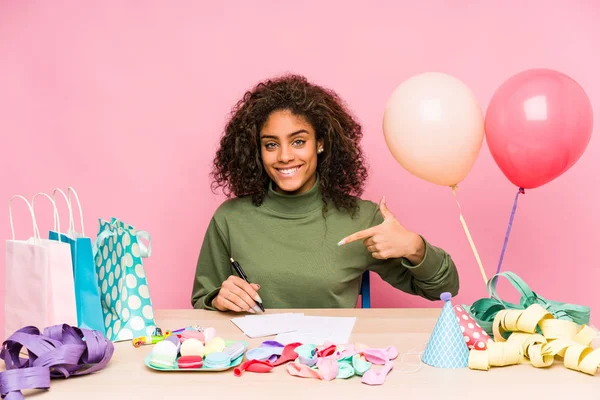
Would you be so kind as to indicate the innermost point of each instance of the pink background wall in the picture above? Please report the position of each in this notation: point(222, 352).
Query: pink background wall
point(125, 101)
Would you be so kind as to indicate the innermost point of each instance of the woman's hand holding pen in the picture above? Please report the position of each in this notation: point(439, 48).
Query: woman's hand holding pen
point(237, 295)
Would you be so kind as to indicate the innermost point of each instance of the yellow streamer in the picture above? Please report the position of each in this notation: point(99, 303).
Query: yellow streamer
point(559, 339)
point(466, 229)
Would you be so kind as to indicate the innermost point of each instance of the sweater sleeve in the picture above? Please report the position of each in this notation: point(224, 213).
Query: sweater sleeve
point(436, 273)
point(212, 268)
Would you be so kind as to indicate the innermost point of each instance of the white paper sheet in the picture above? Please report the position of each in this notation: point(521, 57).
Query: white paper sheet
point(266, 325)
point(296, 327)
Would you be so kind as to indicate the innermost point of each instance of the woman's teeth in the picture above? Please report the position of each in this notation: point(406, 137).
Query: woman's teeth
point(289, 171)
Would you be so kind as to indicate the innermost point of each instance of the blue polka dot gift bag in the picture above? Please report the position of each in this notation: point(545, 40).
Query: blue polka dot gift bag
point(124, 293)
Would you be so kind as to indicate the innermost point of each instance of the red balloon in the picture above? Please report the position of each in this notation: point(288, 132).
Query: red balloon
point(537, 125)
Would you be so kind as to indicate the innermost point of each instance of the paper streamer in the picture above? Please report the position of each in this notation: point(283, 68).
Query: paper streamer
point(485, 309)
point(466, 229)
point(534, 336)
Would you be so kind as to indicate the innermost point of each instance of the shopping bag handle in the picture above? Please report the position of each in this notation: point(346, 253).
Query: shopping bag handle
point(66, 200)
point(145, 250)
point(36, 233)
point(72, 226)
point(101, 238)
point(71, 231)
point(56, 226)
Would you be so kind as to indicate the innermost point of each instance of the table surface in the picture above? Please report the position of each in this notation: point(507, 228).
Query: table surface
point(127, 377)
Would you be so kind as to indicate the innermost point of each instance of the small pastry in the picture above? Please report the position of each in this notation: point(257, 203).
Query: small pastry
point(209, 334)
point(185, 335)
point(189, 362)
point(214, 345)
point(164, 354)
point(217, 360)
point(175, 340)
point(235, 350)
point(192, 347)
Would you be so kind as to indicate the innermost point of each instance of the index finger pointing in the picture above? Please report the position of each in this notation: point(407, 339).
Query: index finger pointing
point(357, 236)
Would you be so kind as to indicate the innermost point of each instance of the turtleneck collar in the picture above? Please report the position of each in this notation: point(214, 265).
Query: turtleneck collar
point(294, 205)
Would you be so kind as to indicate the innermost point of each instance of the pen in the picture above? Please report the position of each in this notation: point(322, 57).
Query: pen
point(240, 272)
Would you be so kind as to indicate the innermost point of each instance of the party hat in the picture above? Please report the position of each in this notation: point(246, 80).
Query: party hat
point(446, 347)
point(475, 336)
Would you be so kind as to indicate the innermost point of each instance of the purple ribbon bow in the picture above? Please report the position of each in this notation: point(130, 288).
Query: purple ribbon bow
point(61, 351)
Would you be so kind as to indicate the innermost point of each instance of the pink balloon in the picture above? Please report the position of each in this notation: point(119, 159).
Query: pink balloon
point(434, 127)
point(537, 125)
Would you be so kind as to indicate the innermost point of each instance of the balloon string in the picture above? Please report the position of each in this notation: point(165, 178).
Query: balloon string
point(466, 229)
point(510, 222)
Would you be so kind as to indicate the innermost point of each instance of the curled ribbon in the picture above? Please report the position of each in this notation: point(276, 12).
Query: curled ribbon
point(60, 351)
point(533, 335)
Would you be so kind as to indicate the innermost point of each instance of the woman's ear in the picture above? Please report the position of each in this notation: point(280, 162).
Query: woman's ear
point(320, 143)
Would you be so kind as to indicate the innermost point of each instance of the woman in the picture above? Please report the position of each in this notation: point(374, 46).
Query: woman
point(291, 156)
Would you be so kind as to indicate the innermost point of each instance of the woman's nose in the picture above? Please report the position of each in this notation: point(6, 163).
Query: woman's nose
point(286, 154)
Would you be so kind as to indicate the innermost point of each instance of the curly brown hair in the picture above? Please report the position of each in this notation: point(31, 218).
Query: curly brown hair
point(238, 167)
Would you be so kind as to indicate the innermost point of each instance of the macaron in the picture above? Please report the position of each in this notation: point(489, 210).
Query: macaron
point(192, 334)
point(189, 362)
point(175, 340)
point(164, 354)
point(235, 350)
point(215, 345)
point(192, 347)
point(217, 360)
point(209, 334)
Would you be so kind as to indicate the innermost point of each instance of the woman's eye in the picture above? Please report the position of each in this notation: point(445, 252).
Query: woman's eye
point(269, 146)
point(299, 142)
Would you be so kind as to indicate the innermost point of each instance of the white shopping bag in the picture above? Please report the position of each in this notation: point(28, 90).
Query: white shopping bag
point(26, 277)
point(39, 288)
point(61, 282)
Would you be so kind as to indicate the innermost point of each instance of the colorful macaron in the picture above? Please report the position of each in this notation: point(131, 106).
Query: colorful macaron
point(235, 350)
point(187, 362)
point(215, 345)
point(164, 354)
point(192, 347)
point(175, 340)
point(209, 334)
point(192, 334)
point(217, 360)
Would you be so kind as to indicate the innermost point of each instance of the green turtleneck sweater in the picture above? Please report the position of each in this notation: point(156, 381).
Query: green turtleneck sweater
point(291, 251)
